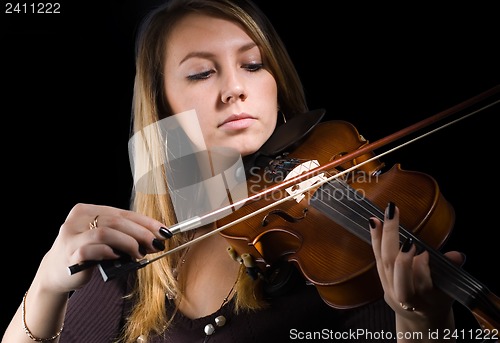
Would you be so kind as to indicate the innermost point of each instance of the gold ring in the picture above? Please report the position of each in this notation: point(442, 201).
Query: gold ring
point(407, 307)
point(93, 224)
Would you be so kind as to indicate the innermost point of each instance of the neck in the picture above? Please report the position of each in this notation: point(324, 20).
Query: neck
point(207, 277)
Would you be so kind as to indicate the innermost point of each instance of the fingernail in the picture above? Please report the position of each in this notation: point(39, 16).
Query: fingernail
point(165, 232)
point(391, 207)
point(159, 245)
point(142, 250)
point(373, 225)
point(407, 245)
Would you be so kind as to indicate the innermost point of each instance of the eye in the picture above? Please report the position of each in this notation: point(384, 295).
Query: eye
point(252, 67)
point(201, 76)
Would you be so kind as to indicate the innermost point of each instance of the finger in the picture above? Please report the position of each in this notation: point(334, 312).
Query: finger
point(422, 273)
point(404, 285)
point(389, 248)
point(143, 236)
point(376, 236)
point(87, 217)
point(85, 214)
point(120, 235)
point(376, 241)
point(147, 222)
point(456, 257)
point(113, 244)
point(123, 242)
point(93, 252)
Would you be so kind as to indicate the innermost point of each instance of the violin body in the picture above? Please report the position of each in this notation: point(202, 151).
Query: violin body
point(326, 235)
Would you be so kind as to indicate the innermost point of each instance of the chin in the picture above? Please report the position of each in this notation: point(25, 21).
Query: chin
point(249, 148)
point(243, 146)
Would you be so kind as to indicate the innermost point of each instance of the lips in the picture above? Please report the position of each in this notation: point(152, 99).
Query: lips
point(235, 117)
point(237, 122)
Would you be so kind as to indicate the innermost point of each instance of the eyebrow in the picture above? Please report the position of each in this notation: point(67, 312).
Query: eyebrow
point(205, 54)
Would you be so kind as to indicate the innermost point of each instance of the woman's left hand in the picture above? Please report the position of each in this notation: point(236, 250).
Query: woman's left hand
point(405, 275)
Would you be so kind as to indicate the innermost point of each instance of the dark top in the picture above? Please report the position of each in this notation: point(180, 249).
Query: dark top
point(95, 314)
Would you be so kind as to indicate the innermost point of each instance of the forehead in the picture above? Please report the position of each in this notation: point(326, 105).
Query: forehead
point(196, 31)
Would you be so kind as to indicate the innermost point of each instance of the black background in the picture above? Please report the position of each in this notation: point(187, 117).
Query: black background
point(67, 83)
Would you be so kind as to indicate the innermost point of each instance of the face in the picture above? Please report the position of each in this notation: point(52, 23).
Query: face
point(213, 67)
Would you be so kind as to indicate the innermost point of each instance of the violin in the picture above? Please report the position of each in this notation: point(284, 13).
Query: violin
point(312, 188)
point(324, 231)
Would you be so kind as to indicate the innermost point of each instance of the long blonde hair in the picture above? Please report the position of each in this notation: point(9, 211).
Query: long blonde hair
point(149, 314)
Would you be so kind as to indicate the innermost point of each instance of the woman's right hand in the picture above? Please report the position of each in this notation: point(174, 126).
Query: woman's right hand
point(89, 233)
point(117, 232)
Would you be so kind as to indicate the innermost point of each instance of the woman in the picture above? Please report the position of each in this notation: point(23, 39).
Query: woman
point(222, 59)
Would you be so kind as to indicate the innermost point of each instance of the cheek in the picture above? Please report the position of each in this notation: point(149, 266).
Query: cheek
point(177, 93)
point(184, 98)
point(268, 93)
point(267, 88)
point(176, 98)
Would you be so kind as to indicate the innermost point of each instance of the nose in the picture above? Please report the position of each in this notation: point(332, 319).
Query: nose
point(233, 89)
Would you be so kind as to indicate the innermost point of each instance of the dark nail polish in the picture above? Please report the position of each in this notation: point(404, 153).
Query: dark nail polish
point(159, 245)
point(372, 223)
point(142, 250)
point(407, 245)
point(391, 207)
point(165, 232)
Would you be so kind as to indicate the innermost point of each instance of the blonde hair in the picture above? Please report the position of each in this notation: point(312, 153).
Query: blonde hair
point(149, 314)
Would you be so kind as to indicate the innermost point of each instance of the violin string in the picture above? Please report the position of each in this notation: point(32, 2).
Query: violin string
point(213, 215)
point(468, 284)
